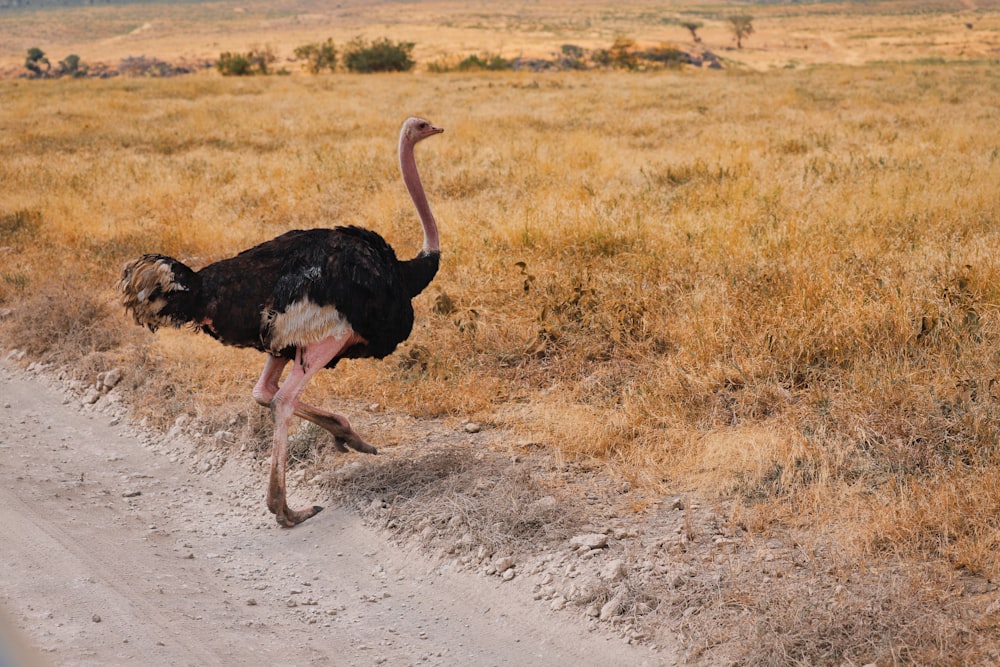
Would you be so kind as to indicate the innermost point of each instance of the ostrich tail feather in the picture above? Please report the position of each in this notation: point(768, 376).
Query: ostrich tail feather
point(159, 290)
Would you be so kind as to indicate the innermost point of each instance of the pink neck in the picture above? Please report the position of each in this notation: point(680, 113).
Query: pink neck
point(408, 167)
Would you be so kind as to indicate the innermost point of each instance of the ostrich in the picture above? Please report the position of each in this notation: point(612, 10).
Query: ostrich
point(309, 296)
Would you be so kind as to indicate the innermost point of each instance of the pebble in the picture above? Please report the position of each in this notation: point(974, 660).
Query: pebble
point(473, 427)
point(613, 571)
point(611, 608)
point(95, 618)
point(112, 378)
point(590, 541)
point(132, 494)
point(503, 564)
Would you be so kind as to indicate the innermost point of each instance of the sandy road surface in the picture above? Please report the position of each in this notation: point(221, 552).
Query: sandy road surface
point(192, 570)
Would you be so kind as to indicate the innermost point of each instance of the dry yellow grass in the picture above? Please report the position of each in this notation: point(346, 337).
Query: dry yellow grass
point(780, 286)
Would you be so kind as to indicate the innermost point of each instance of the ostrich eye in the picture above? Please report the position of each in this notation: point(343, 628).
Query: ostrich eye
point(422, 126)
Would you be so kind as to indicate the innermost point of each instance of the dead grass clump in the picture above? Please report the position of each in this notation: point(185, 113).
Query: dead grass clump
point(61, 323)
point(896, 617)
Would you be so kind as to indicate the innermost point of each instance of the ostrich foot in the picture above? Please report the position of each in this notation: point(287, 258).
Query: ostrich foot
point(290, 518)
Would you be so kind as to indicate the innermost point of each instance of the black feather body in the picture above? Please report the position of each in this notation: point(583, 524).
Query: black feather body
point(354, 270)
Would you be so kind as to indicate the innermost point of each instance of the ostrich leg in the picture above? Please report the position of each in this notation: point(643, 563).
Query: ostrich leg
point(337, 425)
point(308, 361)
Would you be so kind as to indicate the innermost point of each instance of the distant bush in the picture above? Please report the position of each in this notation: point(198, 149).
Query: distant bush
point(381, 55)
point(572, 57)
point(318, 56)
point(234, 64)
point(492, 62)
point(666, 55)
point(622, 54)
point(256, 61)
point(71, 66)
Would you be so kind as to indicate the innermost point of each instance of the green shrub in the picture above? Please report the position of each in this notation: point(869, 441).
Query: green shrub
point(234, 64)
point(256, 61)
point(71, 66)
point(492, 62)
point(381, 55)
point(318, 56)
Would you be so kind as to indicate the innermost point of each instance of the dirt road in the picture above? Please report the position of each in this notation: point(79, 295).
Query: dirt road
point(114, 551)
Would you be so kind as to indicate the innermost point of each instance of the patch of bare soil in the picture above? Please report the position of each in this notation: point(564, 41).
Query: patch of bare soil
point(125, 547)
point(457, 544)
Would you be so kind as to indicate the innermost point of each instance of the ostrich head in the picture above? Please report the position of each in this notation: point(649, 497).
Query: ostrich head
point(417, 129)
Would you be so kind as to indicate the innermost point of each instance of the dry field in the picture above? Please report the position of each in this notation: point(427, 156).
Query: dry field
point(775, 285)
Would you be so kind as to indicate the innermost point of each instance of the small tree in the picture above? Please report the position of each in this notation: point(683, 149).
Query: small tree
point(33, 63)
point(742, 26)
point(381, 55)
point(318, 56)
point(693, 26)
point(71, 66)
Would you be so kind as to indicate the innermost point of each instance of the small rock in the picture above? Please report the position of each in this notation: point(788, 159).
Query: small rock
point(503, 564)
point(613, 571)
point(112, 378)
point(473, 427)
point(543, 503)
point(5, 313)
point(251, 602)
point(95, 618)
point(91, 397)
point(132, 494)
point(611, 608)
point(224, 437)
point(590, 541)
point(678, 504)
point(508, 574)
point(557, 603)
